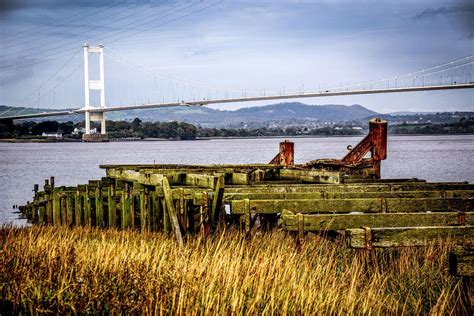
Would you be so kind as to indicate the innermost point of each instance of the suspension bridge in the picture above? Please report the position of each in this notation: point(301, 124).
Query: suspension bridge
point(452, 75)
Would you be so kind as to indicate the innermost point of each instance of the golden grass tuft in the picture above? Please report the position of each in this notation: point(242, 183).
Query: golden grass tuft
point(59, 270)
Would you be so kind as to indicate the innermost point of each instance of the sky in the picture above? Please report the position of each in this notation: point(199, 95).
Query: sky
point(158, 50)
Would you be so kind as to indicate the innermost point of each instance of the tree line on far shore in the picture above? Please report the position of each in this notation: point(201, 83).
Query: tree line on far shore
point(137, 129)
point(167, 130)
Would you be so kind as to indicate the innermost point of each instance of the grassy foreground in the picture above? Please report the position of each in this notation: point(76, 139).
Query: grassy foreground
point(60, 270)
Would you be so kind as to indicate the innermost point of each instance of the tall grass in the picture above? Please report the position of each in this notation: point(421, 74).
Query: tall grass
point(58, 270)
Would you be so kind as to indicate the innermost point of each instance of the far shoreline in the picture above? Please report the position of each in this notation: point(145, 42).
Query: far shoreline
point(67, 140)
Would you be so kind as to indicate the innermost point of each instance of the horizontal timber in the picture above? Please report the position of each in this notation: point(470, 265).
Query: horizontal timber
point(323, 222)
point(406, 236)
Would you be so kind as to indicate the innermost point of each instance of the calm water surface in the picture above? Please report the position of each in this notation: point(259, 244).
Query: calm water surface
point(434, 158)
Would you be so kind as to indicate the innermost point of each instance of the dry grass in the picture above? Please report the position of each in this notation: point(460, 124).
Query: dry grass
point(61, 270)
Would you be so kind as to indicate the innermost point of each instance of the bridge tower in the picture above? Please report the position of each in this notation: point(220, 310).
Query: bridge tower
point(97, 85)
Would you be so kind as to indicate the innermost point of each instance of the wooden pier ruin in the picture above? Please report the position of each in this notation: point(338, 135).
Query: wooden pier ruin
point(341, 196)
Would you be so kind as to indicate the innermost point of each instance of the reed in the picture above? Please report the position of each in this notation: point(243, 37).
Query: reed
point(86, 270)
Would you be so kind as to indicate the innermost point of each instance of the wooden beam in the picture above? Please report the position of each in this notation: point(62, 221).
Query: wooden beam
point(78, 208)
point(406, 236)
point(272, 187)
point(112, 205)
point(87, 207)
point(201, 180)
point(217, 202)
point(322, 222)
point(56, 206)
point(99, 207)
point(172, 212)
point(461, 260)
point(144, 210)
point(257, 195)
point(126, 213)
point(70, 209)
point(388, 205)
point(314, 176)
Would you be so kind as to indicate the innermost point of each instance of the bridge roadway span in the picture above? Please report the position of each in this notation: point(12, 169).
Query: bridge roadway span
point(244, 99)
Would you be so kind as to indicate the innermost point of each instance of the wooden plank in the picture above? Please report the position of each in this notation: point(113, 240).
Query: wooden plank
point(99, 207)
point(228, 196)
point(112, 205)
point(62, 203)
point(42, 219)
point(275, 187)
point(389, 205)
point(240, 178)
point(201, 180)
point(126, 213)
point(144, 210)
point(87, 207)
point(314, 176)
point(56, 206)
point(217, 202)
point(78, 209)
point(156, 211)
point(247, 215)
point(70, 209)
point(407, 236)
point(172, 212)
point(321, 222)
point(135, 176)
point(166, 217)
point(461, 260)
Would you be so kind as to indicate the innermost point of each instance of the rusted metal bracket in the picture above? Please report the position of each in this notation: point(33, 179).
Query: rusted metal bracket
point(375, 142)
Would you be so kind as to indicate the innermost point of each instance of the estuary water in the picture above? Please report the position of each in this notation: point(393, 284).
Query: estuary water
point(434, 158)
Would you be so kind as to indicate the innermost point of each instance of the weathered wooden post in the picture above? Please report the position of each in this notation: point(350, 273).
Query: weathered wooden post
point(87, 206)
point(461, 264)
point(156, 211)
point(144, 209)
point(166, 217)
point(126, 218)
point(56, 206)
point(70, 209)
point(217, 202)
point(99, 206)
point(171, 211)
point(112, 205)
point(49, 202)
point(78, 207)
point(42, 219)
point(62, 201)
point(247, 216)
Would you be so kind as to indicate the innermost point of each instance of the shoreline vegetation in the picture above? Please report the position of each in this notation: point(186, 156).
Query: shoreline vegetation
point(159, 131)
point(83, 270)
point(66, 140)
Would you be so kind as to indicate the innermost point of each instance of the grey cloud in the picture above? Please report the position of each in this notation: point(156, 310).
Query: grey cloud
point(463, 13)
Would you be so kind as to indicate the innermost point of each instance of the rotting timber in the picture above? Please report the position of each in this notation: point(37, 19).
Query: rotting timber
point(345, 196)
point(323, 195)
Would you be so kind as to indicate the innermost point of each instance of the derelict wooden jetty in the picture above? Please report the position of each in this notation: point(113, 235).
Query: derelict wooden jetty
point(332, 195)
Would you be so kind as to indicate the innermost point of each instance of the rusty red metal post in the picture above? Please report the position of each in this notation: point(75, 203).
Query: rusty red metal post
point(286, 155)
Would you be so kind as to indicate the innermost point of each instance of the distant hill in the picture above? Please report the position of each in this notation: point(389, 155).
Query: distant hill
point(282, 112)
point(255, 116)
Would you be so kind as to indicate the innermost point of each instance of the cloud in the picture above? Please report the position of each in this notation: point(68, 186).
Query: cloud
point(461, 13)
